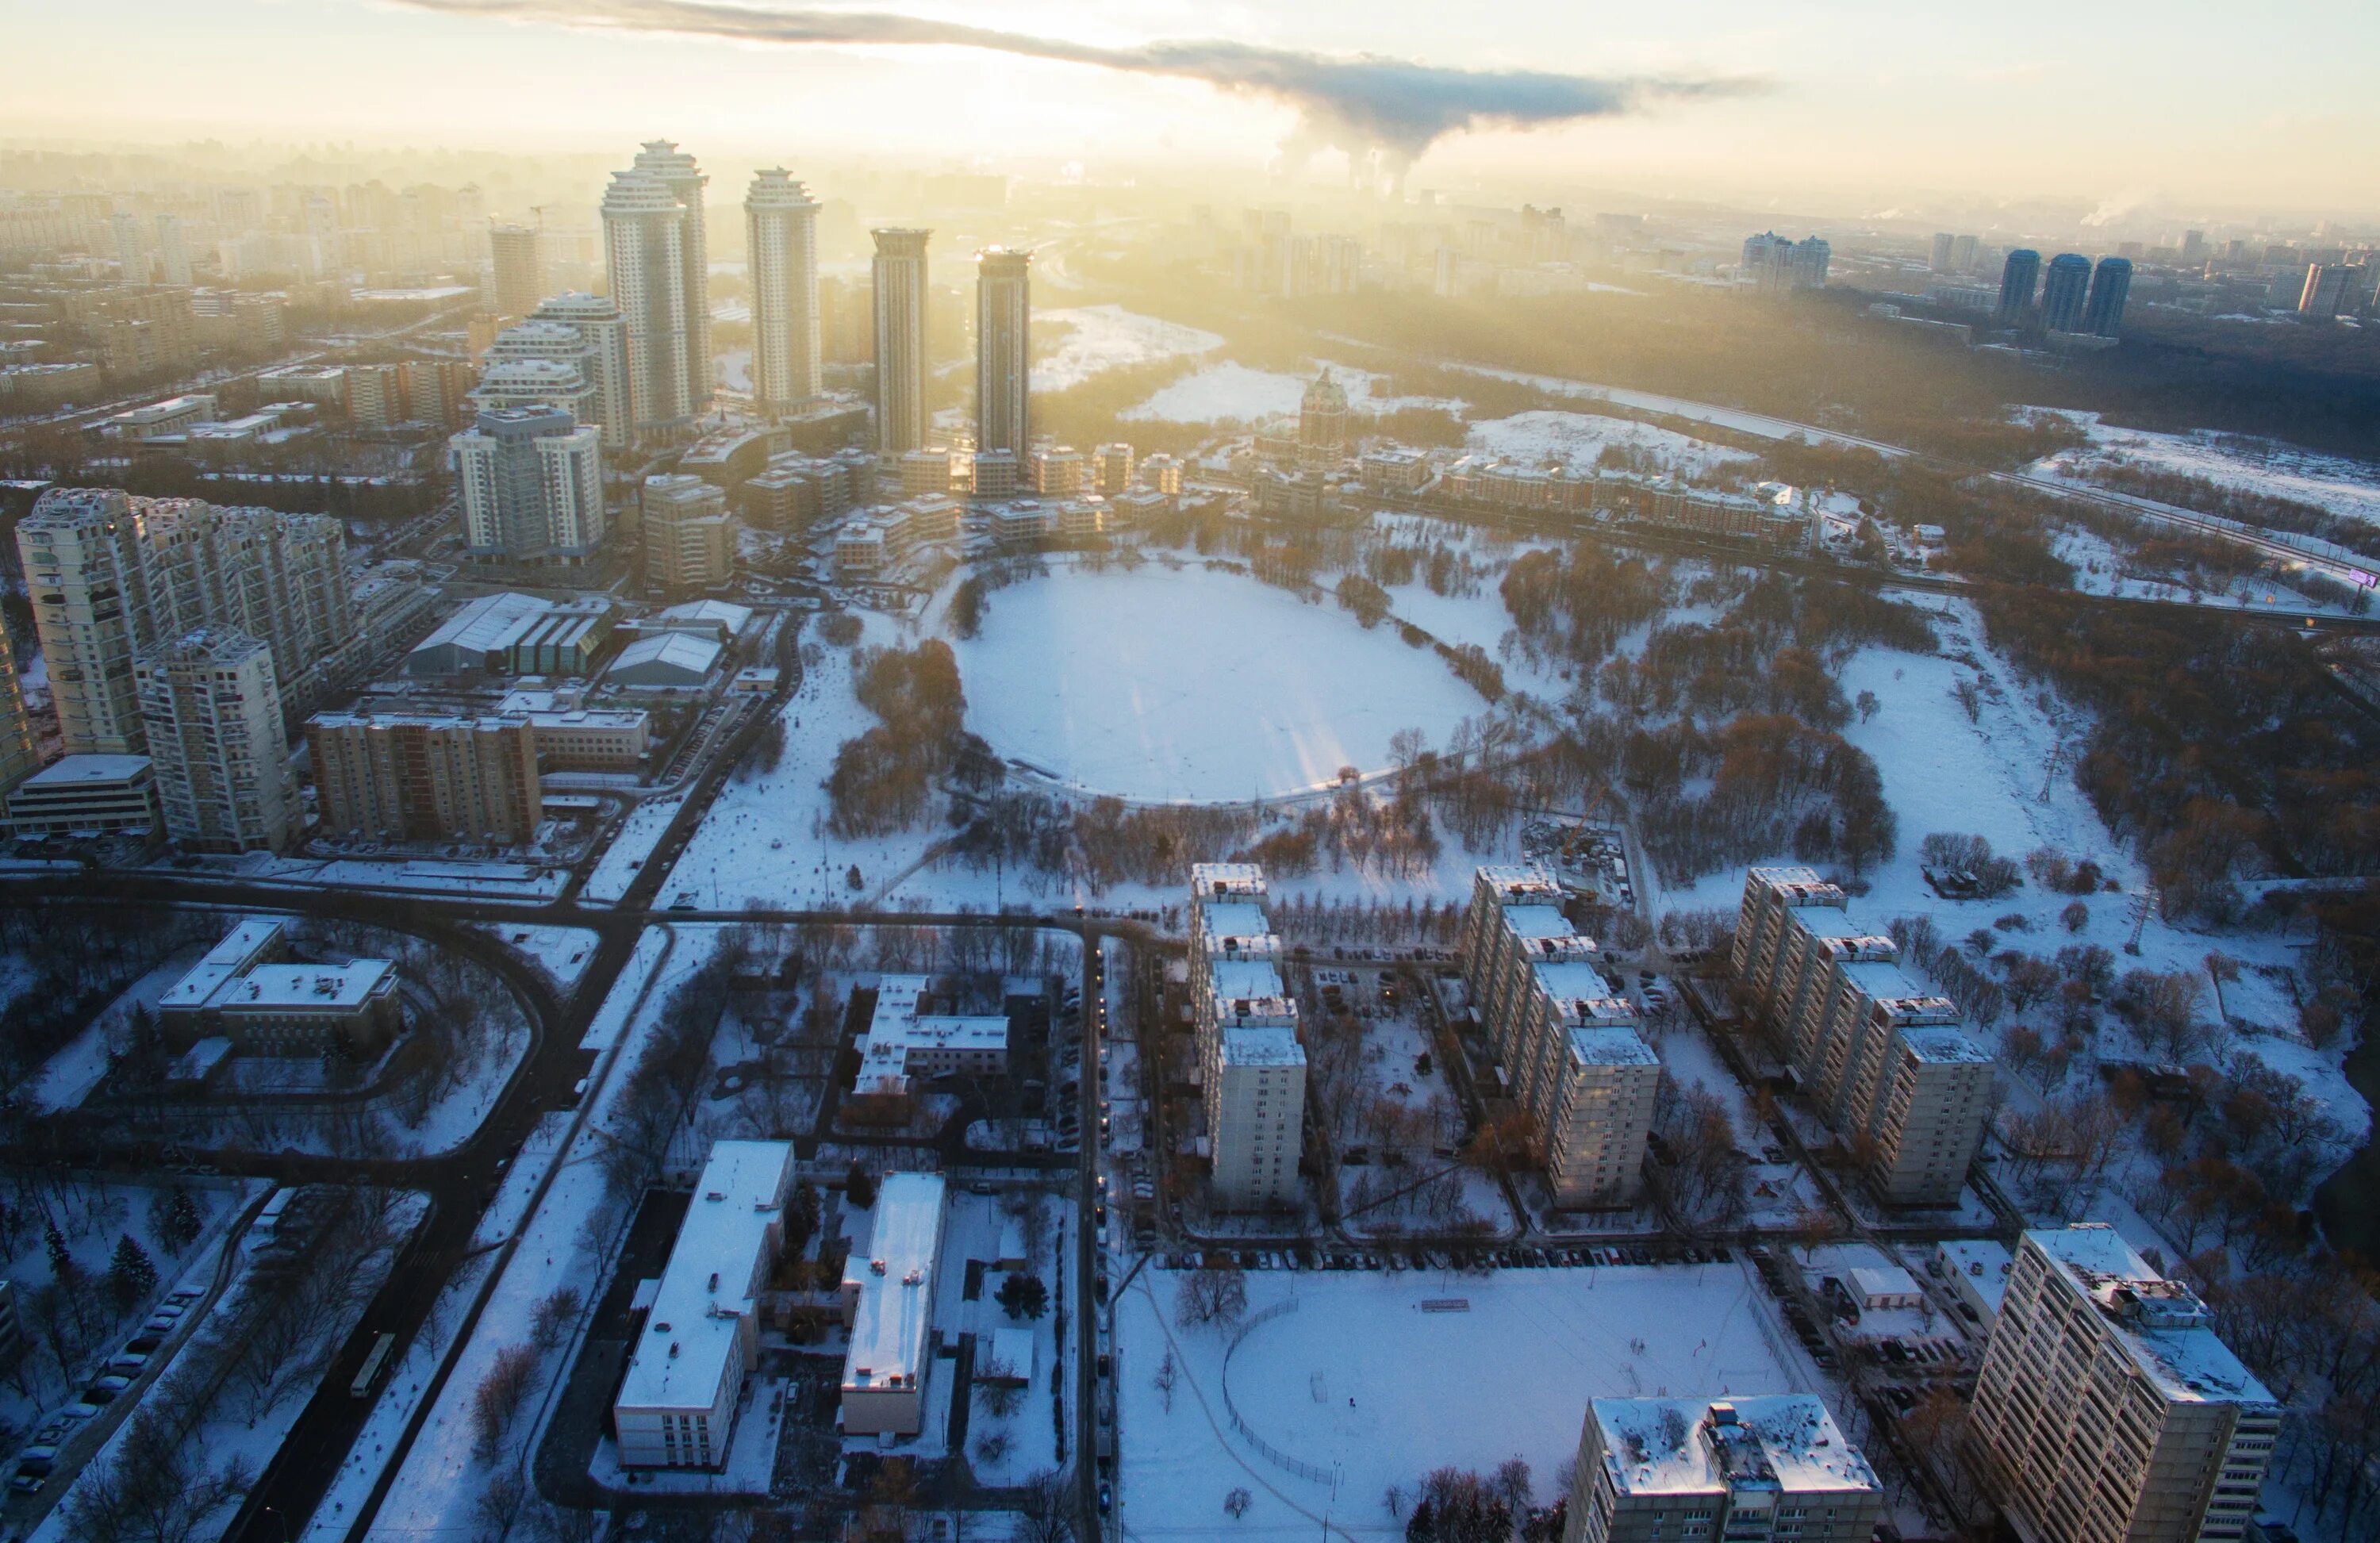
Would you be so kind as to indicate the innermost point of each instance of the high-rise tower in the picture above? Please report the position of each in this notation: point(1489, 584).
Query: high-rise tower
point(674, 169)
point(2065, 290)
point(1003, 355)
point(781, 231)
point(519, 260)
point(900, 273)
point(2104, 312)
point(2020, 275)
point(644, 246)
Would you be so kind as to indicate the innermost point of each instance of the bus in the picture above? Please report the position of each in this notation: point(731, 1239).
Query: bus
point(374, 1363)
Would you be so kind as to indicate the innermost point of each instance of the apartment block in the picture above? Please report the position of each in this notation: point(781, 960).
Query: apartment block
point(689, 537)
point(1564, 1037)
point(422, 777)
point(210, 715)
point(2108, 1410)
point(531, 483)
point(1746, 1470)
point(18, 758)
point(1885, 1062)
point(1252, 1064)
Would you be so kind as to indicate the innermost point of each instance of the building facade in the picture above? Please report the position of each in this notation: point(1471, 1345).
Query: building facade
point(900, 308)
point(425, 777)
point(689, 537)
point(210, 715)
point(2065, 292)
point(1746, 1470)
point(644, 249)
point(1252, 1064)
point(1003, 350)
point(2107, 1409)
point(516, 255)
point(1565, 1038)
point(532, 486)
point(2102, 311)
point(602, 356)
point(780, 251)
point(86, 795)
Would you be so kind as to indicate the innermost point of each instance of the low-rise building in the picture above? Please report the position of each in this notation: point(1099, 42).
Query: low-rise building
point(670, 662)
point(246, 990)
point(676, 1406)
point(925, 471)
point(592, 739)
point(860, 551)
point(906, 1043)
point(87, 795)
point(1977, 1271)
point(888, 1304)
point(1746, 1470)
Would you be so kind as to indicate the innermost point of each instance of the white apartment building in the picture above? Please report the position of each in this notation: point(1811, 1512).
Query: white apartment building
point(1885, 1061)
point(1252, 1066)
point(210, 715)
point(1564, 1037)
point(531, 480)
point(603, 363)
point(1772, 1468)
point(2107, 1410)
point(888, 1308)
point(781, 247)
point(676, 1406)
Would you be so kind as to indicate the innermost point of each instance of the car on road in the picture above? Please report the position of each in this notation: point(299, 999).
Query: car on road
point(1107, 1497)
point(27, 1484)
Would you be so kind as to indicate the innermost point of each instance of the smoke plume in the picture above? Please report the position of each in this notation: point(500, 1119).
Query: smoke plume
point(1358, 104)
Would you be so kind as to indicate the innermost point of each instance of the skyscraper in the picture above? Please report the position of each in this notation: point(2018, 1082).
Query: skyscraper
point(2019, 277)
point(645, 248)
point(517, 253)
point(780, 233)
point(211, 714)
point(675, 170)
point(531, 480)
point(2065, 290)
point(2104, 312)
point(1940, 259)
point(1962, 254)
point(1003, 355)
point(899, 273)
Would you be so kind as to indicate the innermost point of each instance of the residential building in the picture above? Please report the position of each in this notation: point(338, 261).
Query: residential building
point(676, 1406)
point(1058, 470)
point(1252, 1064)
point(19, 757)
point(536, 382)
point(517, 253)
point(888, 1308)
point(2102, 311)
point(1004, 357)
point(1887, 1063)
point(2108, 1410)
point(210, 718)
point(996, 474)
point(1744, 1469)
point(86, 795)
point(425, 777)
point(1114, 466)
point(599, 354)
point(110, 574)
point(1163, 472)
point(905, 1042)
point(531, 485)
point(2327, 290)
point(574, 739)
point(2065, 292)
point(900, 306)
point(689, 537)
point(647, 250)
point(1564, 1037)
point(1322, 424)
point(1770, 262)
point(781, 254)
point(375, 396)
point(1977, 1272)
point(926, 471)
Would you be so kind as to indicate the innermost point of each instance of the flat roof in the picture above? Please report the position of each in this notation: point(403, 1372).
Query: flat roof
point(1232, 918)
point(896, 1027)
point(1519, 882)
point(1537, 921)
point(1609, 1045)
point(73, 771)
point(221, 963)
point(1943, 1044)
point(1262, 1045)
point(1675, 1446)
point(713, 1270)
point(1573, 980)
point(2160, 1323)
point(1235, 978)
point(318, 986)
point(894, 1278)
point(1982, 1263)
point(1890, 1279)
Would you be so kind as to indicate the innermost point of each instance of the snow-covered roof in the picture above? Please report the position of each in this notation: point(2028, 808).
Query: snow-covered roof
point(710, 613)
point(488, 624)
point(1609, 1045)
point(1983, 1263)
point(648, 659)
point(1571, 981)
point(319, 987)
point(894, 1278)
point(1243, 881)
point(1537, 921)
point(1239, 919)
point(76, 770)
point(1246, 977)
point(1944, 1046)
point(1785, 1442)
point(1262, 1045)
point(1873, 1282)
point(1796, 886)
point(2161, 1324)
point(896, 1030)
point(1519, 884)
point(239, 948)
point(713, 1274)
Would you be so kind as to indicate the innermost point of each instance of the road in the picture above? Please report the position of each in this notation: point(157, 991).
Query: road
point(1088, 1308)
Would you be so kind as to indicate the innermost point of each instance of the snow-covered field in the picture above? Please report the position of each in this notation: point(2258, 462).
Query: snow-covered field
point(1195, 684)
point(1106, 338)
point(1578, 438)
point(1744, 422)
point(2259, 466)
point(639, 834)
point(1359, 1382)
point(1227, 393)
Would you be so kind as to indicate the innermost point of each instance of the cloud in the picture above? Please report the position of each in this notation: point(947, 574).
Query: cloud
point(1358, 104)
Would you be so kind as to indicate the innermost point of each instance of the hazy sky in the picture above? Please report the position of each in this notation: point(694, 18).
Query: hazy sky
point(2177, 102)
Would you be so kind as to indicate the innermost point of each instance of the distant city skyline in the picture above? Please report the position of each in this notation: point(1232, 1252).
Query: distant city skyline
point(2122, 105)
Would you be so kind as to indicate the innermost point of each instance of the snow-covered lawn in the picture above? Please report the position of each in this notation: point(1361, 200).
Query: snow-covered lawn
point(1231, 392)
point(1195, 684)
point(1106, 338)
point(2258, 465)
point(1577, 439)
point(1360, 1381)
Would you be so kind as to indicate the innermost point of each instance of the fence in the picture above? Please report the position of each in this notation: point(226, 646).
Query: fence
point(1265, 1449)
